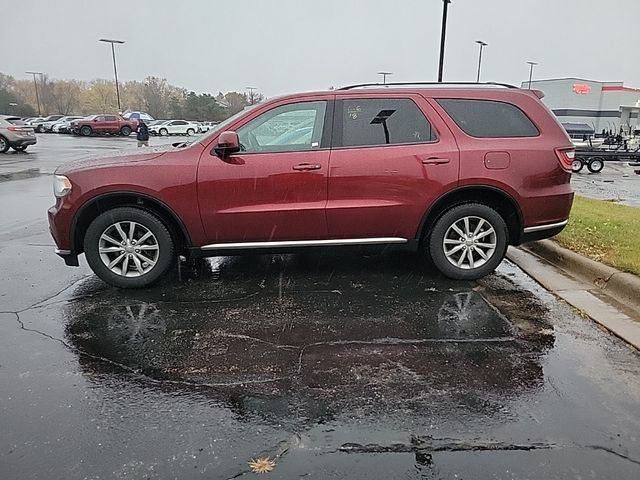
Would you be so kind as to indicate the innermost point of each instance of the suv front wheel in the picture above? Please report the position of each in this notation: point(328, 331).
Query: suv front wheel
point(128, 247)
point(468, 241)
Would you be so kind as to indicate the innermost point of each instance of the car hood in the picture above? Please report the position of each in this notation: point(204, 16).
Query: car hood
point(119, 157)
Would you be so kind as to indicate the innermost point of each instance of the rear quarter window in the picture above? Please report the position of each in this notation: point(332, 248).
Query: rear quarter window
point(489, 118)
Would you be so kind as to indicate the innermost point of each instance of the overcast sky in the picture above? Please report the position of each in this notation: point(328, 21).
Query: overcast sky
point(284, 46)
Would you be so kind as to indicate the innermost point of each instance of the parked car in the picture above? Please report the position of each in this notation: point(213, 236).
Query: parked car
point(102, 124)
point(204, 127)
point(174, 127)
point(455, 173)
point(64, 124)
point(47, 127)
point(15, 134)
point(34, 121)
point(39, 125)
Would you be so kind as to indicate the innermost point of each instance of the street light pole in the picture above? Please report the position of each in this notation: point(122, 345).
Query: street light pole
point(531, 65)
point(443, 34)
point(482, 45)
point(35, 84)
point(115, 69)
point(384, 76)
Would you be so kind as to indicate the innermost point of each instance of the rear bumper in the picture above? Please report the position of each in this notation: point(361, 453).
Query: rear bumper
point(539, 232)
point(21, 142)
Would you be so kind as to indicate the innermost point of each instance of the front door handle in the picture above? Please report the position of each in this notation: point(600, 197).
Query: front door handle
point(306, 166)
point(435, 161)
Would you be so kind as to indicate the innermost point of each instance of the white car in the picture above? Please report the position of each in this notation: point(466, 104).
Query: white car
point(48, 126)
point(174, 127)
point(206, 126)
point(63, 125)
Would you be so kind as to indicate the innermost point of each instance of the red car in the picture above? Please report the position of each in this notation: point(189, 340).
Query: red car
point(455, 173)
point(101, 124)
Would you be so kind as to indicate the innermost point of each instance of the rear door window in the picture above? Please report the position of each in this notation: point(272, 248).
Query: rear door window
point(383, 121)
point(489, 118)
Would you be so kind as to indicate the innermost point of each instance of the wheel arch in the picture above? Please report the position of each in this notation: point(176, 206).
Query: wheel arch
point(97, 205)
point(493, 197)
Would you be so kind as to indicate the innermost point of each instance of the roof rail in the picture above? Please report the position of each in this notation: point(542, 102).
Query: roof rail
point(392, 84)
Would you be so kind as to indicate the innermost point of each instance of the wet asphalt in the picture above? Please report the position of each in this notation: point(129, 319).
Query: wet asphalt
point(351, 364)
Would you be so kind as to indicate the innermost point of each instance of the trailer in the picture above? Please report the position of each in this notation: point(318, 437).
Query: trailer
point(594, 158)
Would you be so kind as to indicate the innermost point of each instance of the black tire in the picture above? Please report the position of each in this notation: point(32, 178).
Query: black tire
point(4, 144)
point(145, 220)
point(39, 129)
point(595, 165)
point(190, 131)
point(86, 131)
point(125, 131)
point(444, 228)
point(164, 132)
point(577, 165)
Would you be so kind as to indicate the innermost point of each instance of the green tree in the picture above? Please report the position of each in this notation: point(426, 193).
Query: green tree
point(11, 102)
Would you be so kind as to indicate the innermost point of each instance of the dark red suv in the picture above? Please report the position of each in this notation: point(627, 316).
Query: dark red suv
point(457, 173)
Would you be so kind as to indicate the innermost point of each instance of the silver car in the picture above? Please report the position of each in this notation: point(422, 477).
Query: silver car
point(15, 133)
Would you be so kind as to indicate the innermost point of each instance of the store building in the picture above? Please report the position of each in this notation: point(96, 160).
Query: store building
point(601, 105)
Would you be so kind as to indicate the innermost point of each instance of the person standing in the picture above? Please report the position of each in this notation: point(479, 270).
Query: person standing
point(143, 134)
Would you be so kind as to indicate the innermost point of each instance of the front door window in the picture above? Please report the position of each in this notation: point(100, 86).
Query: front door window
point(289, 128)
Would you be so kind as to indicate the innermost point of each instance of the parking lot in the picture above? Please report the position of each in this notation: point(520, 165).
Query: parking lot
point(349, 364)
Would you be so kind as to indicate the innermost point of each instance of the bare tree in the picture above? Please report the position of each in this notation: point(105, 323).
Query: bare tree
point(66, 96)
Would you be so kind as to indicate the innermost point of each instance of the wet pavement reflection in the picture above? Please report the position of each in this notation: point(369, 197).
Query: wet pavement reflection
point(314, 333)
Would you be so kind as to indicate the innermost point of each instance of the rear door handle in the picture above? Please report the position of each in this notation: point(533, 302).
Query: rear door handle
point(306, 166)
point(435, 161)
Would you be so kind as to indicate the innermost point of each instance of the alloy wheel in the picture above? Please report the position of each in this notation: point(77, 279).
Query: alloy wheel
point(128, 249)
point(469, 242)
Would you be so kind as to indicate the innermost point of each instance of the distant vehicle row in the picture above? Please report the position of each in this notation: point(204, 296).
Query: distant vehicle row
point(113, 124)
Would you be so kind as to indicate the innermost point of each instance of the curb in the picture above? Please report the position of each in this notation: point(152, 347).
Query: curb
point(621, 286)
point(606, 295)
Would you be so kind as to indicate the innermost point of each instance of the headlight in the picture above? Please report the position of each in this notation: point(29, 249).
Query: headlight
point(61, 186)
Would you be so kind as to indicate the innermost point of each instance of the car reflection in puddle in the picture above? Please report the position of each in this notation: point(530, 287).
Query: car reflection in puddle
point(317, 334)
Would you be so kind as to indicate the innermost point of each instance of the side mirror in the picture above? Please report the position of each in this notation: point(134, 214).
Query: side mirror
point(228, 144)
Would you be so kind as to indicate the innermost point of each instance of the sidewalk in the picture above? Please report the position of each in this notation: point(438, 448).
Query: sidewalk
point(608, 296)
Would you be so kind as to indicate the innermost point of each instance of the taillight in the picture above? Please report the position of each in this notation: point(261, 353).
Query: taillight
point(19, 129)
point(566, 156)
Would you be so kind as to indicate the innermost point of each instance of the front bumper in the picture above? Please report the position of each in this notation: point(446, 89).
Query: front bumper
point(60, 220)
point(70, 258)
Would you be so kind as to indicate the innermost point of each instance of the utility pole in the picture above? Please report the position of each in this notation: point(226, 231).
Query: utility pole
point(443, 35)
point(35, 84)
point(531, 65)
point(482, 45)
point(384, 76)
point(115, 69)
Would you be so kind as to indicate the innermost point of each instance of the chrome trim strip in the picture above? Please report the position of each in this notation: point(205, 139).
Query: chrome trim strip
point(62, 252)
point(304, 243)
point(546, 227)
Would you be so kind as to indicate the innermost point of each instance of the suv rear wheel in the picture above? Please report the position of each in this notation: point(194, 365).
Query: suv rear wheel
point(468, 241)
point(128, 247)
